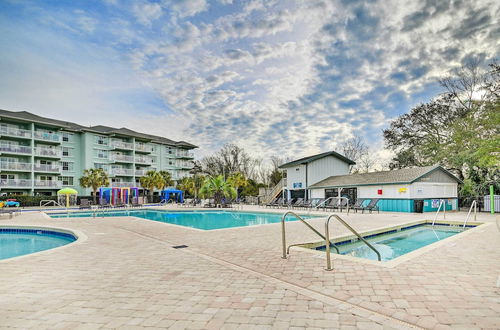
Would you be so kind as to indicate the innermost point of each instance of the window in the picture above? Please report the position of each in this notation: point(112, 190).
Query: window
point(103, 154)
point(102, 140)
point(67, 137)
point(45, 178)
point(68, 166)
point(7, 177)
point(66, 180)
point(67, 152)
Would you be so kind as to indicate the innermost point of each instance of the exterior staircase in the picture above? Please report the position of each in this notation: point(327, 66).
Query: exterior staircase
point(272, 193)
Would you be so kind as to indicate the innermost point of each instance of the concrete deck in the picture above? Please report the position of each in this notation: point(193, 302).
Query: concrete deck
point(127, 275)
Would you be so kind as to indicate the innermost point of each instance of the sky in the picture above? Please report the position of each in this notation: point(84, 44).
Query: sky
point(287, 78)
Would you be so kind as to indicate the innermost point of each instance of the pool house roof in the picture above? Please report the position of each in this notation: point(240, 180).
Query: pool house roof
point(312, 158)
point(401, 176)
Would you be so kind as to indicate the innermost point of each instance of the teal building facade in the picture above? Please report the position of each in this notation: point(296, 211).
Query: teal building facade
point(39, 155)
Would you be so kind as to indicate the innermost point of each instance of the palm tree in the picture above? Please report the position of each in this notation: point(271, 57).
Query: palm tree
point(94, 178)
point(217, 188)
point(166, 180)
point(150, 181)
point(238, 180)
point(192, 184)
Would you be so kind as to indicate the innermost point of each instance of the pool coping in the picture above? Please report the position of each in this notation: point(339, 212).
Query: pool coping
point(80, 238)
point(399, 260)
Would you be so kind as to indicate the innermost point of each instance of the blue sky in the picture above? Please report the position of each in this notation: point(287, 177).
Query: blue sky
point(287, 78)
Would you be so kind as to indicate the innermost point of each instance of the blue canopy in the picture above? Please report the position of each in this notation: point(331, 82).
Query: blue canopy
point(178, 195)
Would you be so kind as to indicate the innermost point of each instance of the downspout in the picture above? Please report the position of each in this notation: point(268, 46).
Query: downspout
point(306, 191)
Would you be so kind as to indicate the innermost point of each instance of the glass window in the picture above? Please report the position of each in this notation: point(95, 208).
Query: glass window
point(67, 152)
point(101, 153)
point(66, 180)
point(102, 140)
point(68, 166)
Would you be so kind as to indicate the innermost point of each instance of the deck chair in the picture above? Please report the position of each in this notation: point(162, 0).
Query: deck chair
point(298, 203)
point(331, 204)
point(316, 201)
point(119, 203)
point(135, 202)
point(103, 204)
point(372, 206)
point(342, 204)
point(358, 205)
point(84, 203)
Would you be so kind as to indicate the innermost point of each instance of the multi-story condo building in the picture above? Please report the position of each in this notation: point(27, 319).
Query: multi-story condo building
point(40, 155)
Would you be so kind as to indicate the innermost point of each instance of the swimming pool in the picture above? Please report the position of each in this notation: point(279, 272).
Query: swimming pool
point(16, 242)
point(395, 242)
point(206, 220)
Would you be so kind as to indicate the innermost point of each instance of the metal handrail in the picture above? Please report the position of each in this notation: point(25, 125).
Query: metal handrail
point(474, 204)
point(283, 235)
point(46, 202)
point(441, 202)
point(327, 241)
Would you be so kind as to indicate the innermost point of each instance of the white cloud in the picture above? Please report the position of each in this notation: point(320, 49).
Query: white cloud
point(186, 8)
point(146, 12)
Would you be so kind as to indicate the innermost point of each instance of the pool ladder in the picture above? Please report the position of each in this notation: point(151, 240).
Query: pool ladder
point(326, 237)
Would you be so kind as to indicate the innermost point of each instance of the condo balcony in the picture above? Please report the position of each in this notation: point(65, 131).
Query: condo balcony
point(15, 166)
point(46, 136)
point(122, 158)
point(185, 154)
point(17, 150)
point(122, 145)
point(17, 183)
point(48, 184)
point(122, 171)
point(15, 132)
point(143, 148)
point(144, 160)
point(48, 152)
point(140, 172)
point(44, 168)
point(123, 184)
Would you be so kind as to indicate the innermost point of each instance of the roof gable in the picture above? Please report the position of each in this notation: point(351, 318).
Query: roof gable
point(312, 158)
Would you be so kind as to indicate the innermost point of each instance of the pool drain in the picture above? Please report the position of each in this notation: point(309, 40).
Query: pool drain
point(180, 246)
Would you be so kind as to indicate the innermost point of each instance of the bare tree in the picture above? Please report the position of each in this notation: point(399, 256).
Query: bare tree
point(228, 160)
point(356, 150)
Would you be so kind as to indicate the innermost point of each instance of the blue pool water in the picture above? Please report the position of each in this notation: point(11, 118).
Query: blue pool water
point(206, 220)
point(394, 244)
point(18, 242)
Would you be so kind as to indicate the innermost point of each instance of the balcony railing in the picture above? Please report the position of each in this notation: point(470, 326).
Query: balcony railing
point(16, 132)
point(16, 149)
point(48, 152)
point(15, 166)
point(122, 145)
point(140, 172)
point(122, 158)
point(185, 154)
point(122, 171)
point(48, 184)
point(18, 183)
point(123, 184)
point(143, 148)
point(47, 168)
point(144, 160)
point(46, 136)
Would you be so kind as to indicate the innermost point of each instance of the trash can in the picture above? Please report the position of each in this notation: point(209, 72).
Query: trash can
point(418, 206)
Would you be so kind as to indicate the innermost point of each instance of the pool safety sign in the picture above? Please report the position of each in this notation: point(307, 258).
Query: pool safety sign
point(297, 184)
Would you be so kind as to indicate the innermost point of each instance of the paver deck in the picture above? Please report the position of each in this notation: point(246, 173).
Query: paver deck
point(127, 275)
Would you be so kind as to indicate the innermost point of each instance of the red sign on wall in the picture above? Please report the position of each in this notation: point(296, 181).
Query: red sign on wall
point(379, 191)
